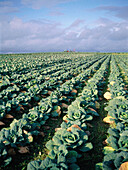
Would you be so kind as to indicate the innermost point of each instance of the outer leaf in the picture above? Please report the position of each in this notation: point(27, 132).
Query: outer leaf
point(108, 149)
point(34, 165)
point(86, 147)
point(50, 145)
point(99, 166)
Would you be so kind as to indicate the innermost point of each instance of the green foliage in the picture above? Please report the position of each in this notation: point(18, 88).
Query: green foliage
point(75, 139)
point(114, 160)
point(118, 109)
point(36, 116)
point(2, 111)
point(4, 158)
point(63, 160)
point(39, 76)
point(99, 166)
point(18, 133)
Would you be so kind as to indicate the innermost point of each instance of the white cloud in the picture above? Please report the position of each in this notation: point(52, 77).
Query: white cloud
point(56, 13)
point(37, 4)
point(118, 11)
point(45, 35)
point(7, 7)
point(6, 3)
point(77, 23)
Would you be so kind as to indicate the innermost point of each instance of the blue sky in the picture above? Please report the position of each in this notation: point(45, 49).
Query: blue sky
point(57, 25)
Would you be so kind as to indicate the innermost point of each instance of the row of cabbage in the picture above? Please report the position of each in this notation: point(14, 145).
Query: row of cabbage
point(21, 131)
point(17, 64)
point(24, 63)
point(71, 139)
point(116, 153)
point(123, 64)
point(15, 96)
point(17, 77)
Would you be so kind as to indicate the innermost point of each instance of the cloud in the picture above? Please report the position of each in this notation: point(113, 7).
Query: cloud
point(43, 3)
point(118, 11)
point(77, 23)
point(7, 7)
point(104, 22)
point(25, 36)
point(5, 3)
point(56, 13)
point(46, 35)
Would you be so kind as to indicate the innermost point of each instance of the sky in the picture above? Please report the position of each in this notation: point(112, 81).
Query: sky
point(58, 25)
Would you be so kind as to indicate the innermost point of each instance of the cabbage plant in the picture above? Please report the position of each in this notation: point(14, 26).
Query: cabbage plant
point(74, 139)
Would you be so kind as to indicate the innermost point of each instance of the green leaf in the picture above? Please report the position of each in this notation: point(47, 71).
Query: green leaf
point(61, 159)
point(89, 117)
point(52, 154)
point(34, 165)
point(86, 147)
point(108, 149)
point(50, 145)
point(57, 141)
point(99, 166)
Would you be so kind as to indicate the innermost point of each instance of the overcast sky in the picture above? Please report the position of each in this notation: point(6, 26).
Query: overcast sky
point(58, 25)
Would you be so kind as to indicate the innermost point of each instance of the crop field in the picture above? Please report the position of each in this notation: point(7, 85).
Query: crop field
point(64, 111)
